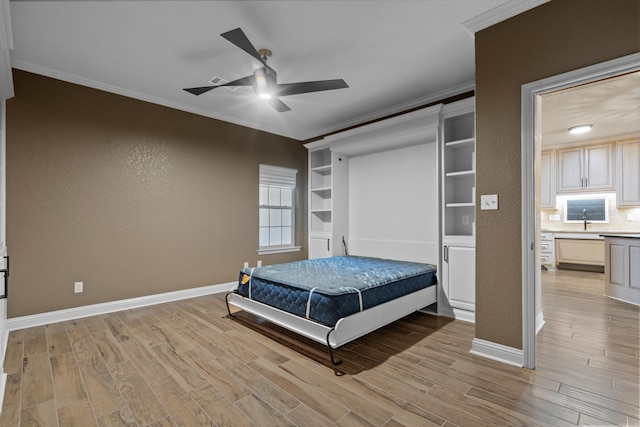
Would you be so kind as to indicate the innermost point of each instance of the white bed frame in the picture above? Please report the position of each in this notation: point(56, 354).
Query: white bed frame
point(347, 328)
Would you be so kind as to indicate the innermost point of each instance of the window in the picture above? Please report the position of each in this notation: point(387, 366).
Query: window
point(277, 209)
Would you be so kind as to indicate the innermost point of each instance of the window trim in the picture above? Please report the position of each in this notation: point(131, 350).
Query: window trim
point(280, 177)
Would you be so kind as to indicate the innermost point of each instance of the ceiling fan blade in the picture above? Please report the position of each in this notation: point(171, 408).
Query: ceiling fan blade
point(280, 106)
point(239, 38)
point(244, 81)
point(306, 87)
point(200, 90)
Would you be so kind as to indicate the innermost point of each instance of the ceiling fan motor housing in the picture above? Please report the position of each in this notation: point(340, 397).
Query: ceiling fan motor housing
point(265, 81)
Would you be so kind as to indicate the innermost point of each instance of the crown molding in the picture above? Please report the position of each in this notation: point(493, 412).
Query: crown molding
point(399, 108)
point(71, 78)
point(500, 13)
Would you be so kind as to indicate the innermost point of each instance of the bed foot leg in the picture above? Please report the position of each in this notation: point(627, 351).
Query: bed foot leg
point(226, 299)
point(333, 360)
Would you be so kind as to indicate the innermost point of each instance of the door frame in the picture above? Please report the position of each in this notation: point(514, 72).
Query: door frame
point(530, 100)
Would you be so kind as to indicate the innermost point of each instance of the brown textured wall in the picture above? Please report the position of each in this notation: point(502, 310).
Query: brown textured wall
point(131, 198)
point(556, 37)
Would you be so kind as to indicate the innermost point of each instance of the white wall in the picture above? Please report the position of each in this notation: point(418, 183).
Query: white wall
point(393, 204)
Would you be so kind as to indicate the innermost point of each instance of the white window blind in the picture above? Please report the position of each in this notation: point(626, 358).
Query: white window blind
point(274, 175)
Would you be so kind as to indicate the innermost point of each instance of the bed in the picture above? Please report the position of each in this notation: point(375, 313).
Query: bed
point(335, 300)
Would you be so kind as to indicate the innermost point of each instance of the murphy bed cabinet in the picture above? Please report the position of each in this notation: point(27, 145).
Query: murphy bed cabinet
point(328, 195)
point(457, 271)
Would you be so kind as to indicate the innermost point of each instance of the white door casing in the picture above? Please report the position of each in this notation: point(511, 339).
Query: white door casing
point(530, 93)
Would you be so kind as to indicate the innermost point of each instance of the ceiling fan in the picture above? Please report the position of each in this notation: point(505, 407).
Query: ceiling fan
point(264, 79)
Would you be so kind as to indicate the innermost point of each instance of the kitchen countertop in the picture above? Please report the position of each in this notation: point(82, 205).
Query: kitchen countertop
point(548, 230)
point(623, 235)
point(588, 234)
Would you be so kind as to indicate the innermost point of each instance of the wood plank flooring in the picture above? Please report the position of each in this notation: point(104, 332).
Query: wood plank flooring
point(187, 364)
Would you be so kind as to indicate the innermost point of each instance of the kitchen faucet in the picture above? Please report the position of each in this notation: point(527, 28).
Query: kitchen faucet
point(584, 218)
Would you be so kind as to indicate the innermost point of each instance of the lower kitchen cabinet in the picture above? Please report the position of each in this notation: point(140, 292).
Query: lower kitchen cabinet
point(580, 251)
point(547, 251)
point(622, 268)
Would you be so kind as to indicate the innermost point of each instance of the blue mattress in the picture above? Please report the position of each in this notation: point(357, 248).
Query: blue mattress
point(327, 289)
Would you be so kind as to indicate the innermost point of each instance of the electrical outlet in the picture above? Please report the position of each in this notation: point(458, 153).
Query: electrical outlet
point(554, 217)
point(465, 219)
point(246, 264)
point(78, 287)
point(630, 217)
point(259, 263)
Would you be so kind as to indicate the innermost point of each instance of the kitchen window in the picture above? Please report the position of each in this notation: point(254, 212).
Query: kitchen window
point(592, 209)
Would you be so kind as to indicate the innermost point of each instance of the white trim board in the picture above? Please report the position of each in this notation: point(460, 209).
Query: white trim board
point(500, 13)
point(113, 306)
point(498, 352)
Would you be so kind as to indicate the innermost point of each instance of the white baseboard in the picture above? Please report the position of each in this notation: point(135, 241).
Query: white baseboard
point(110, 307)
point(498, 352)
point(539, 322)
point(458, 314)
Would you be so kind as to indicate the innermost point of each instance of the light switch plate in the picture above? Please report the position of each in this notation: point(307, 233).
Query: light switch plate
point(488, 202)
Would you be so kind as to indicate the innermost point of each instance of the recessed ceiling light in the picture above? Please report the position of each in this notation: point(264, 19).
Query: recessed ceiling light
point(575, 130)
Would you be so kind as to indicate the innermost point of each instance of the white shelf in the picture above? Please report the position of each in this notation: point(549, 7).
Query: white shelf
point(321, 190)
point(460, 205)
point(322, 169)
point(460, 173)
point(458, 163)
point(461, 143)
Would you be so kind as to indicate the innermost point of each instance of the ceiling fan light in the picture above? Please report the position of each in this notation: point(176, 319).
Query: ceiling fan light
point(264, 80)
point(576, 130)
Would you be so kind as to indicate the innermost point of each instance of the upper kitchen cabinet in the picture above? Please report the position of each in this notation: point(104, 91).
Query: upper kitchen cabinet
point(548, 180)
point(628, 173)
point(588, 168)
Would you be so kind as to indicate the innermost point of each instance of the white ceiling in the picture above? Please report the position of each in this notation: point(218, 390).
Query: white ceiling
point(394, 55)
point(612, 106)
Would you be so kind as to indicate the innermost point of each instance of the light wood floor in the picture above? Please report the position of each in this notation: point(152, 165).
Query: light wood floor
point(186, 363)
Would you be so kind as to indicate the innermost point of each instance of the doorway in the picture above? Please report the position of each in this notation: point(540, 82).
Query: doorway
point(531, 93)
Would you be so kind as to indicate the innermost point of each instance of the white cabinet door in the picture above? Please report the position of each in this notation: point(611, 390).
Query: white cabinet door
point(628, 174)
point(598, 167)
point(587, 168)
point(622, 269)
point(460, 281)
point(570, 172)
point(320, 247)
point(548, 180)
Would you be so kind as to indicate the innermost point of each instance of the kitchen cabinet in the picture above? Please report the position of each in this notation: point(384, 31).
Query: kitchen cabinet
point(622, 268)
point(588, 168)
point(580, 251)
point(548, 180)
point(547, 251)
point(628, 173)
